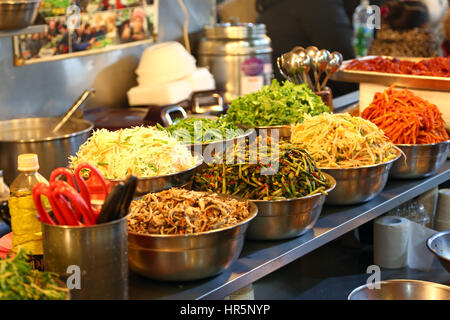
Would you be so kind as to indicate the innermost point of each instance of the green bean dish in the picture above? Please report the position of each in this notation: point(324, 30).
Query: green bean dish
point(293, 174)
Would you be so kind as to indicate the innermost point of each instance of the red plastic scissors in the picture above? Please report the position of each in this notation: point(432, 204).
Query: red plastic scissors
point(95, 181)
point(68, 206)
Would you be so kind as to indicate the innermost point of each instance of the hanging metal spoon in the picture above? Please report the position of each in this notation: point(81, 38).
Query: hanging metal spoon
point(335, 63)
point(321, 59)
point(311, 52)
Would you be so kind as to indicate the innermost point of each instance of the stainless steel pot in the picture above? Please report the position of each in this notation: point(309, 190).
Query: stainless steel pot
point(239, 56)
point(33, 135)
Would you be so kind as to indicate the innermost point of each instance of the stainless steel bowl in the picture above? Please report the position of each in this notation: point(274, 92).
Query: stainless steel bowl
point(439, 244)
point(18, 14)
point(283, 131)
point(402, 290)
point(208, 149)
point(422, 160)
point(357, 185)
point(187, 257)
point(182, 179)
point(283, 219)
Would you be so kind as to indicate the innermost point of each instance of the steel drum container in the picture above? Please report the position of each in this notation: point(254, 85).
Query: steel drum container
point(239, 56)
point(34, 135)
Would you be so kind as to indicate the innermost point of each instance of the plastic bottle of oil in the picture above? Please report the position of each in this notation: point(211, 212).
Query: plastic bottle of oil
point(25, 225)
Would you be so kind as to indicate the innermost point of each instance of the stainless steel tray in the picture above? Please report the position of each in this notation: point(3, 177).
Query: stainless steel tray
point(406, 80)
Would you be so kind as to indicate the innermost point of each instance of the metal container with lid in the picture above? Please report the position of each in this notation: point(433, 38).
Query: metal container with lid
point(238, 55)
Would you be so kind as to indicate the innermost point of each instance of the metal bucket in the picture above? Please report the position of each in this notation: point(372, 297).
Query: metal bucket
point(99, 251)
point(33, 135)
point(238, 55)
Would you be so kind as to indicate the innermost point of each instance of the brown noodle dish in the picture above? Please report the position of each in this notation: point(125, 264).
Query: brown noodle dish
point(179, 211)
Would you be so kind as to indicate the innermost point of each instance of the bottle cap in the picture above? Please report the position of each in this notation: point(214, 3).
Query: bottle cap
point(28, 162)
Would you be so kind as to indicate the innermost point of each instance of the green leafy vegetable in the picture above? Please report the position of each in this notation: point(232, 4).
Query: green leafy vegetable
point(276, 105)
point(202, 130)
point(18, 281)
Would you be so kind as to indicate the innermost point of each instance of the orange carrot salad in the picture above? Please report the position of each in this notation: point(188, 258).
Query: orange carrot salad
point(406, 118)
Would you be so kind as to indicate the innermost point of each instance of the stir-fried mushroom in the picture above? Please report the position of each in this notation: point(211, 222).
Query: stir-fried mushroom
point(180, 211)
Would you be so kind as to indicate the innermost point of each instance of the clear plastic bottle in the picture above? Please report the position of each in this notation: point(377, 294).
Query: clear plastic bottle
point(25, 225)
point(4, 197)
point(363, 32)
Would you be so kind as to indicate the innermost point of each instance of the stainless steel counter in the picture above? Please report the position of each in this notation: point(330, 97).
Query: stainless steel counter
point(260, 258)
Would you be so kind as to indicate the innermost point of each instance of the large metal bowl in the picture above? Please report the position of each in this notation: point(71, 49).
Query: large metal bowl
point(422, 160)
point(439, 244)
point(182, 179)
point(18, 14)
point(283, 131)
point(187, 257)
point(402, 290)
point(283, 219)
point(358, 185)
point(209, 149)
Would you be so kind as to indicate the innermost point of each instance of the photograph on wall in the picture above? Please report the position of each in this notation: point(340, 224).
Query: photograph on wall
point(88, 26)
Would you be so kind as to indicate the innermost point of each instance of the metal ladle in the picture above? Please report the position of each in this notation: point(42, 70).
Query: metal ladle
point(73, 108)
point(287, 65)
point(321, 60)
point(303, 65)
point(311, 52)
point(334, 64)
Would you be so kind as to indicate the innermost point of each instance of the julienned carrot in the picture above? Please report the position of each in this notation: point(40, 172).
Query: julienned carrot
point(406, 118)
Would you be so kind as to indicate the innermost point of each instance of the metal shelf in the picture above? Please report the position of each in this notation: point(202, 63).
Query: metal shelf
point(260, 258)
point(30, 29)
point(38, 27)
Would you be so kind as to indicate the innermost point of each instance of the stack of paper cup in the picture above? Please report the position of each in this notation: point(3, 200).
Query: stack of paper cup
point(442, 217)
point(390, 242)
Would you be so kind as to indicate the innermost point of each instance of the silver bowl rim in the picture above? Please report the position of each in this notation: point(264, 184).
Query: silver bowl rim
point(204, 144)
point(423, 145)
point(428, 283)
point(432, 238)
point(69, 135)
point(252, 207)
point(280, 126)
point(195, 154)
point(329, 176)
point(399, 154)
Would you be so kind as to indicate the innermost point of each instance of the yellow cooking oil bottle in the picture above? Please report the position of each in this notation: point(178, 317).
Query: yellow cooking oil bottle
point(25, 224)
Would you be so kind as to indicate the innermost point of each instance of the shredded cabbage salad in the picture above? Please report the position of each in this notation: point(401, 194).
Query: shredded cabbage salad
point(141, 151)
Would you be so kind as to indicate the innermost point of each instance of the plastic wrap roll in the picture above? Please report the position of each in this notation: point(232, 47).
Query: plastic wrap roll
point(442, 216)
point(391, 236)
point(429, 200)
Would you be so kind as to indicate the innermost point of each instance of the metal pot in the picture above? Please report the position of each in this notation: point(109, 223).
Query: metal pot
point(239, 56)
point(34, 135)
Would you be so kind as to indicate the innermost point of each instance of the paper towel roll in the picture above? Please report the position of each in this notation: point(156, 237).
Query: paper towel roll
point(443, 207)
point(391, 236)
